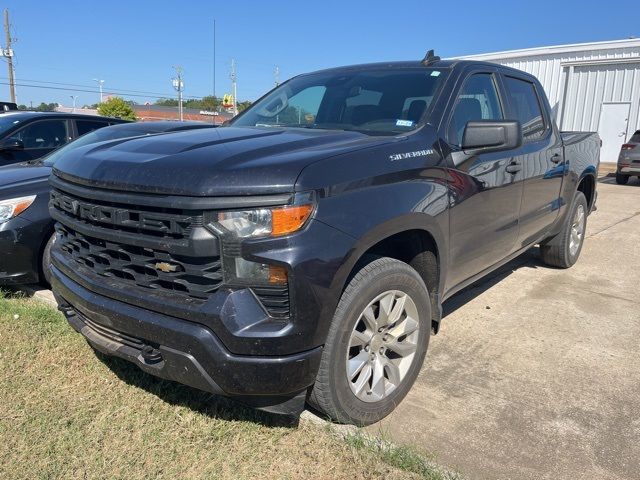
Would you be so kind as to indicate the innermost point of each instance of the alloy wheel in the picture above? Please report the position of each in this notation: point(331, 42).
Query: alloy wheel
point(382, 345)
point(577, 230)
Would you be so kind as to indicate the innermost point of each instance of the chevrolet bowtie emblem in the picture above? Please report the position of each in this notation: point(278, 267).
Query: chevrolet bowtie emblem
point(166, 267)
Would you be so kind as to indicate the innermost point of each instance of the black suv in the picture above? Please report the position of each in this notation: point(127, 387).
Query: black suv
point(303, 252)
point(31, 135)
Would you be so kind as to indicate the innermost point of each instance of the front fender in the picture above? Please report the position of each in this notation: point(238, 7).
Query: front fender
point(377, 212)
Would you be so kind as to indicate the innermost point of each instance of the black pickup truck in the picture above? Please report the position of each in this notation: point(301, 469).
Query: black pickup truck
point(303, 251)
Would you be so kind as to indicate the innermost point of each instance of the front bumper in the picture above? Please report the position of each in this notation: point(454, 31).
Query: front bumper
point(179, 350)
point(21, 241)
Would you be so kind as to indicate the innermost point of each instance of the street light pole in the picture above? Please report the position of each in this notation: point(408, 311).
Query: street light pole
point(100, 83)
point(234, 86)
point(73, 97)
point(178, 84)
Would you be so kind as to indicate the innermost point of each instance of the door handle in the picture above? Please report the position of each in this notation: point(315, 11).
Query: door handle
point(513, 167)
point(557, 158)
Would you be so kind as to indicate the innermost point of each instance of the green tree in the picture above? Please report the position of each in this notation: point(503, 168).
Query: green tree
point(116, 107)
point(167, 102)
point(243, 105)
point(46, 107)
point(209, 103)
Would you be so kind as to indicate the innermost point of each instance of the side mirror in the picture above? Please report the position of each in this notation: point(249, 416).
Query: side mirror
point(12, 144)
point(491, 136)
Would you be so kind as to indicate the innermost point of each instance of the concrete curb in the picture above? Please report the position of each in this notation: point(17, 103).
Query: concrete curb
point(40, 294)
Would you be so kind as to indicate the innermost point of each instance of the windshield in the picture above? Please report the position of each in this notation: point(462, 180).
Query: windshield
point(101, 135)
point(376, 101)
point(8, 121)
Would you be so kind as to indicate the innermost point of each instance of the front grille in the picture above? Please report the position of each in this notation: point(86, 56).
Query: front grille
point(153, 221)
point(165, 250)
point(143, 267)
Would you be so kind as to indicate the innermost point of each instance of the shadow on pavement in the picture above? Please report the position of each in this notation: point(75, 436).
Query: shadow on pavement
point(633, 181)
point(529, 259)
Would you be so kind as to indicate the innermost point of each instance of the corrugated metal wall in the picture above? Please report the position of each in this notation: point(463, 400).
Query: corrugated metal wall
point(592, 85)
point(578, 82)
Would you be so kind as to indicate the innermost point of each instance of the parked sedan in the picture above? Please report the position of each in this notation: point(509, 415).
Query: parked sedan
point(31, 135)
point(26, 230)
point(629, 160)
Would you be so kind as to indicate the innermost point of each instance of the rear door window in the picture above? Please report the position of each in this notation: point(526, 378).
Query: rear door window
point(526, 108)
point(43, 134)
point(86, 126)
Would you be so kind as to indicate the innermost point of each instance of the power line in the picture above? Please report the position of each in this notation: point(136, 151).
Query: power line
point(121, 91)
point(88, 91)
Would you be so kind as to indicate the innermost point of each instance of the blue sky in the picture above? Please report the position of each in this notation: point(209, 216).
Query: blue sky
point(133, 44)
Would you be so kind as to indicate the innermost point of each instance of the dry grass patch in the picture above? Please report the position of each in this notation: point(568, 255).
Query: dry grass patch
point(67, 413)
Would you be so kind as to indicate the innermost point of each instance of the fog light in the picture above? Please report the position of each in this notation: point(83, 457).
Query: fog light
point(277, 275)
point(260, 273)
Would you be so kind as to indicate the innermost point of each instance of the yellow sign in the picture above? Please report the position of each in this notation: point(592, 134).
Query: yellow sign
point(227, 100)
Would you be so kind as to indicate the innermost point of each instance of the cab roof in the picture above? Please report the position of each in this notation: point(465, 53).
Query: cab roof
point(450, 64)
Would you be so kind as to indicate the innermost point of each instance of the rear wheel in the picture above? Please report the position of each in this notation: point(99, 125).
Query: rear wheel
point(564, 249)
point(622, 179)
point(376, 344)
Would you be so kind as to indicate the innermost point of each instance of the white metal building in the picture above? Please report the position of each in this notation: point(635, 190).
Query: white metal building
point(591, 86)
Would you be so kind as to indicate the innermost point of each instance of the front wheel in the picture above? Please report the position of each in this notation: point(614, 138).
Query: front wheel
point(564, 249)
point(376, 344)
point(45, 264)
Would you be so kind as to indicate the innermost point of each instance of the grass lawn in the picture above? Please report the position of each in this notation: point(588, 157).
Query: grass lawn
point(67, 413)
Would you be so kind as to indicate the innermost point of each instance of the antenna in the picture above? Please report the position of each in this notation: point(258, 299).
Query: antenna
point(430, 58)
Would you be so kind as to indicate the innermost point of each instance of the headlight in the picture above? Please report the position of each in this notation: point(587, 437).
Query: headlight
point(236, 226)
point(264, 222)
point(247, 223)
point(14, 207)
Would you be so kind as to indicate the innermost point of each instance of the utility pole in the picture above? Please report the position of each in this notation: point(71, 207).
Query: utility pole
point(276, 75)
point(234, 84)
point(100, 84)
point(74, 98)
point(214, 58)
point(178, 84)
point(7, 52)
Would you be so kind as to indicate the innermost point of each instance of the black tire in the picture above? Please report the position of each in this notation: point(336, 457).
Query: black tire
point(557, 252)
point(622, 179)
point(332, 394)
point(45, 265)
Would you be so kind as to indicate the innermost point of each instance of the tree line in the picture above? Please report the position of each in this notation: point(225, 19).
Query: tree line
point(209, 103)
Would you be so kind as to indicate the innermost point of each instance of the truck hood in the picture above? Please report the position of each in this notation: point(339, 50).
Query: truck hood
point(23, 177)
point(209, 162)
